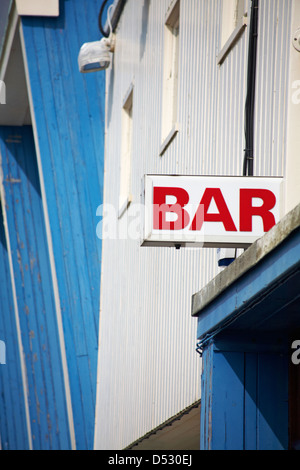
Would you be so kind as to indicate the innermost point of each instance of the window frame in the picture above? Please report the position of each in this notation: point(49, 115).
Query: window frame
point(169, 124)
point(125, 195)
point(234, 20)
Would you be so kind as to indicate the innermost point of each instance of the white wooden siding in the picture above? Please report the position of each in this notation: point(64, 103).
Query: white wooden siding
point(148, 367)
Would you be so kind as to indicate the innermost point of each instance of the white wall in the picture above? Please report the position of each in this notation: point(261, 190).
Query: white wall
point(148, 367)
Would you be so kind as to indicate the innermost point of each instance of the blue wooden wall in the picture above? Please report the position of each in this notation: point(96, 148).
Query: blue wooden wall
point(34, 291)
point(244, 403)
point(13, 430)
point(69, 114)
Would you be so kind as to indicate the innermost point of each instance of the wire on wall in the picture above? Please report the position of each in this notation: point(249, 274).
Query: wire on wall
point(118, 6)
point(250, 98)
point(103, 32)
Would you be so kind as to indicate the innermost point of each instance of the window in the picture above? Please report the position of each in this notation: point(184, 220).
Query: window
point(170, 76)
point(126, 150)
point(234, 22)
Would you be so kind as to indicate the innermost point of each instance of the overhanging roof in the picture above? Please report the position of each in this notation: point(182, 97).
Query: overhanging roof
point(259, 290)
point(181, 432)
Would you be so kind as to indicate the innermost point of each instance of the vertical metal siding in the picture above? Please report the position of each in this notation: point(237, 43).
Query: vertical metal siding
point(148, 368)
point(69, 118)
point(274, 36)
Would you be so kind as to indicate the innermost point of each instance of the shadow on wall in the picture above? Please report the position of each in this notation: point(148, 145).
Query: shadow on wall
point(2, 232)
point(145, 18)
point(111, 89)
point(16, 143)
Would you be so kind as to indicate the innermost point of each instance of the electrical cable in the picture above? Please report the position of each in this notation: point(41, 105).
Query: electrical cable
point(104, 33)
point(111, 7)
point(117, 11)
point(250, 98)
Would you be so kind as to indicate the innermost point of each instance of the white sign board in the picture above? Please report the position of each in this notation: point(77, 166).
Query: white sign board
point(212, 211)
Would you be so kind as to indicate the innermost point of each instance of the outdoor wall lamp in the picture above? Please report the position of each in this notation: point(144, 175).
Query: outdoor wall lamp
point(95, 56)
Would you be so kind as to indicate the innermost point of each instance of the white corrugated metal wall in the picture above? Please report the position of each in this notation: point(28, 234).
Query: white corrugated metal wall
point(148, 367)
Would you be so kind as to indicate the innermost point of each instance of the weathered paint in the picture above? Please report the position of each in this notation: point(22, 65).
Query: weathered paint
point(34, 290)
point(245, 394)
point(13, 429)
point(68, 119)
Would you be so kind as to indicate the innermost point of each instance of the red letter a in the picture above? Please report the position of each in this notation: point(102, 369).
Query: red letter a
point(222, 216)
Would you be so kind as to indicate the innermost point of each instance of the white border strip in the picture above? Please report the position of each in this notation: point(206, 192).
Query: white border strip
point(232, 39)
point(8, 41)
point(51, 253)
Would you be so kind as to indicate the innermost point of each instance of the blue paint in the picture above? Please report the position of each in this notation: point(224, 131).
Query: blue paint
point(227, 401)
point(225, 261)
point(12, 407)
point(69, 111)
point(245, 337)
point(206, 396)
point(244, 395)
point(250, 437)
point(247, 289)
point(272, 390)
point(34, 290)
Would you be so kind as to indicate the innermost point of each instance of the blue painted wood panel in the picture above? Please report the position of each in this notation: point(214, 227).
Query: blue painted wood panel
point(228, 404)
point(251, 359)
point(206, 398)
point(69, 112)
point(13, 429)
point(256, 284)
point(244, 396)
point(272, 399)
point(34, 290)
